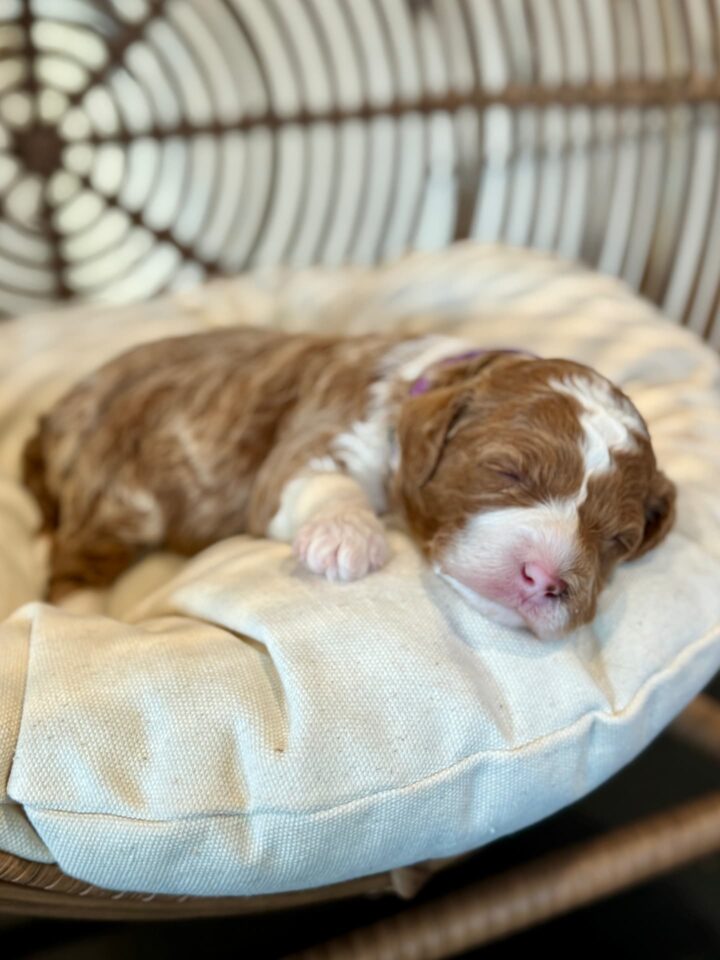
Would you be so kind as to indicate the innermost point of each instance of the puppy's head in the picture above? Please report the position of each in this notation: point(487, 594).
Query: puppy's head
point(525, 482)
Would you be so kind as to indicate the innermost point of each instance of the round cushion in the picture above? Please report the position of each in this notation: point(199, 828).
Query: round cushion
point(234, 725)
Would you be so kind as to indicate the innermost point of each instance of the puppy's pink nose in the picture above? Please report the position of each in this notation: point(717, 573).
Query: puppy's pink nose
point(541, 582)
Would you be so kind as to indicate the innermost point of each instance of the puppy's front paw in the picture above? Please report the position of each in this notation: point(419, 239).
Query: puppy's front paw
point(344, 546)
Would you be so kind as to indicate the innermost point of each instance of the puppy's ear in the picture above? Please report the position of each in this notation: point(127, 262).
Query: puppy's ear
point(659, 512)
point(426, 424)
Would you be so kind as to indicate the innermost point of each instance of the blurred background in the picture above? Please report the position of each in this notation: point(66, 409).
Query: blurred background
point(146, 145)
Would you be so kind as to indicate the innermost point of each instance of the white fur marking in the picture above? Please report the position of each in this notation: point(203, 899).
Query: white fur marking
point(365, 448)
point(491, 548)
point(608, 423)
point(488, 537)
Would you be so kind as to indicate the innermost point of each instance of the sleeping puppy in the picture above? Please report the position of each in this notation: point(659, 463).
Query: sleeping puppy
point(524, 481)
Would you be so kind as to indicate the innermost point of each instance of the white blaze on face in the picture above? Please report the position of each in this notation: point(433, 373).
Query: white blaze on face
point(486, 557)
point(607, 420)
point(548, 529)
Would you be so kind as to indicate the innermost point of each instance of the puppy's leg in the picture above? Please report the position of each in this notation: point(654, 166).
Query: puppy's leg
point(331, 524)
point(82, 561)
point(102, 532)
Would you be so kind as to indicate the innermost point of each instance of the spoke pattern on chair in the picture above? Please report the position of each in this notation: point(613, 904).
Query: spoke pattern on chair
point(258, 132)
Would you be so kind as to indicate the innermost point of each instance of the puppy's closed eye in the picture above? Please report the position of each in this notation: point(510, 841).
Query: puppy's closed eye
point(514, 477)
point(501, 461)
point(510, 471)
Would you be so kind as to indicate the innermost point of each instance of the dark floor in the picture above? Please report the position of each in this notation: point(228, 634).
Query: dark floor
point(677, 918)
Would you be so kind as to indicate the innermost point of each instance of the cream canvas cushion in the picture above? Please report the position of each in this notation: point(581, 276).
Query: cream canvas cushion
point(234, 725)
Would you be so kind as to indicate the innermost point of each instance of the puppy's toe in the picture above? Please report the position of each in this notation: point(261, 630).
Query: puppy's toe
point(343, 547)
point(362, 550)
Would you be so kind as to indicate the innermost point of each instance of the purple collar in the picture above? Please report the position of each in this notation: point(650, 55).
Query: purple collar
point(423, 383)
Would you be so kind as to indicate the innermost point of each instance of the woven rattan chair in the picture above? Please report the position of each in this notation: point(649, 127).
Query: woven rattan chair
point(147, 145)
